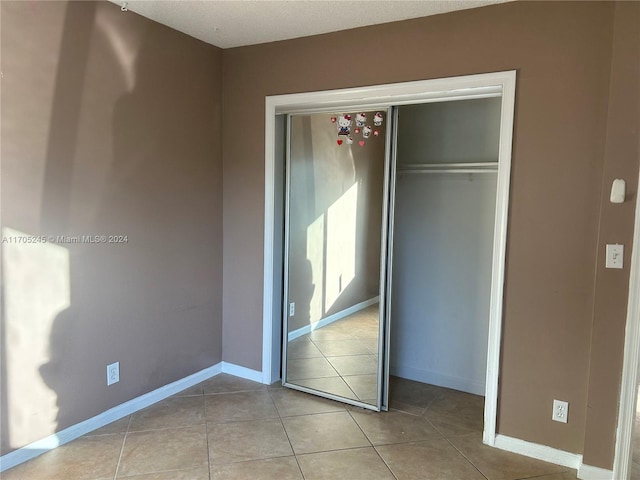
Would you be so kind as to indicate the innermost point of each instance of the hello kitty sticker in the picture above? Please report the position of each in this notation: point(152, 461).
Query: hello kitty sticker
point(346, 134)
point(344, 125)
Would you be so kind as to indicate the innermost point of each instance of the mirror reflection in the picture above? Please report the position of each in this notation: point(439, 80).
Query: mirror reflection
point(340, 358)
point(335, 205)
point(635, 443)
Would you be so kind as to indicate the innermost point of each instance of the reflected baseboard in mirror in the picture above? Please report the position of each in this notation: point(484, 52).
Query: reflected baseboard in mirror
point(340, 358)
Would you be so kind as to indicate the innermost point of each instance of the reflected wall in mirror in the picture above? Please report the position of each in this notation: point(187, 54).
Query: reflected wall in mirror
point(335, 210)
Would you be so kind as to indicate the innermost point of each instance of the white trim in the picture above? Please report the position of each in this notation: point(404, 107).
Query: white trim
point(331, 318)
point(629, 388)
point(552, 455)
point(39, 447)
point(380, 96)
point(537, 451)
point(499, 257)
point(269, 232)
point(243, 372)
point(587, 472)
point(394, 94)
point(439, 379)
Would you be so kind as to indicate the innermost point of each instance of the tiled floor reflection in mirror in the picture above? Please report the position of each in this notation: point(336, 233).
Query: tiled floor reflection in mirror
point(228, 428)
point(340, 358)
point(635, 443)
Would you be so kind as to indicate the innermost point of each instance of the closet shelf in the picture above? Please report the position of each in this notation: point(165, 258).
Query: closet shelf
point(475, 167)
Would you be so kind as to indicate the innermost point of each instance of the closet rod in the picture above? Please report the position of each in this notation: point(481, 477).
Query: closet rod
point(457, 170)
point(476, 167)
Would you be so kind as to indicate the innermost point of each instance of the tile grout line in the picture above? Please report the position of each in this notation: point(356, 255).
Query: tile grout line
point(432, 425)
point(465, 457)
point(333, 450)
point(372, 445)
point(295, 456)
point(444, 437)
point(175, 427)
point(359, 427)
point(124, 440)
point(384, 461)
point(229, 392)
point(206, 434)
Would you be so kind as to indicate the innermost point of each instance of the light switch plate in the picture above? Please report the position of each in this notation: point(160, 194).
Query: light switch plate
point(615, 254)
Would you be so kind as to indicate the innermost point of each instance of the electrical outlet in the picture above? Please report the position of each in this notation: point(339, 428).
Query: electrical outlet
point(292, 309)
point(560, 411)
point(113, 373)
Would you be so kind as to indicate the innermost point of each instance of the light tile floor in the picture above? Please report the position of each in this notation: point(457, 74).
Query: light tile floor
point(232, 429)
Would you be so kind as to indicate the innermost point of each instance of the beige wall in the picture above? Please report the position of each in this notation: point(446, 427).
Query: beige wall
point(562, 53)
point(622, 154)
point(111, 124)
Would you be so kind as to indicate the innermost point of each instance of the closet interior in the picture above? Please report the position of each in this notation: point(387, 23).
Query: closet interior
point(444, 217)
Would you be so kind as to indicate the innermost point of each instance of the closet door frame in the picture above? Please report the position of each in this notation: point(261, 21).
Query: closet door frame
point(380, 96)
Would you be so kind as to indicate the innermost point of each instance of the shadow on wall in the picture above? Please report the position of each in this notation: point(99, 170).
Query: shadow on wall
point(36, 275)
point(129, 191)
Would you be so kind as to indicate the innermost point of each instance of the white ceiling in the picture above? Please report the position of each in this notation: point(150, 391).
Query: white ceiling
point(233, 23)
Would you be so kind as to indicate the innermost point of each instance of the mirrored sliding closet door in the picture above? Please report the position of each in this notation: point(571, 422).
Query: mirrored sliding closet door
point(335, 222)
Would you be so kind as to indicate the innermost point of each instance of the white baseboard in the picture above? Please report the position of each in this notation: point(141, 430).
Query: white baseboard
point(242, 372)
point(552, 455)
point(439, 379)
point(127, 408)
point(331, 318)
point(587, 472)
point(537, 451)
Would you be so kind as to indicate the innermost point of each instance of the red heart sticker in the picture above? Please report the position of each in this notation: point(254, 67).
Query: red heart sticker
point(356, 130)
point(361, 143)
point(376, 132)
point(339, 142)
point(333, 119)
